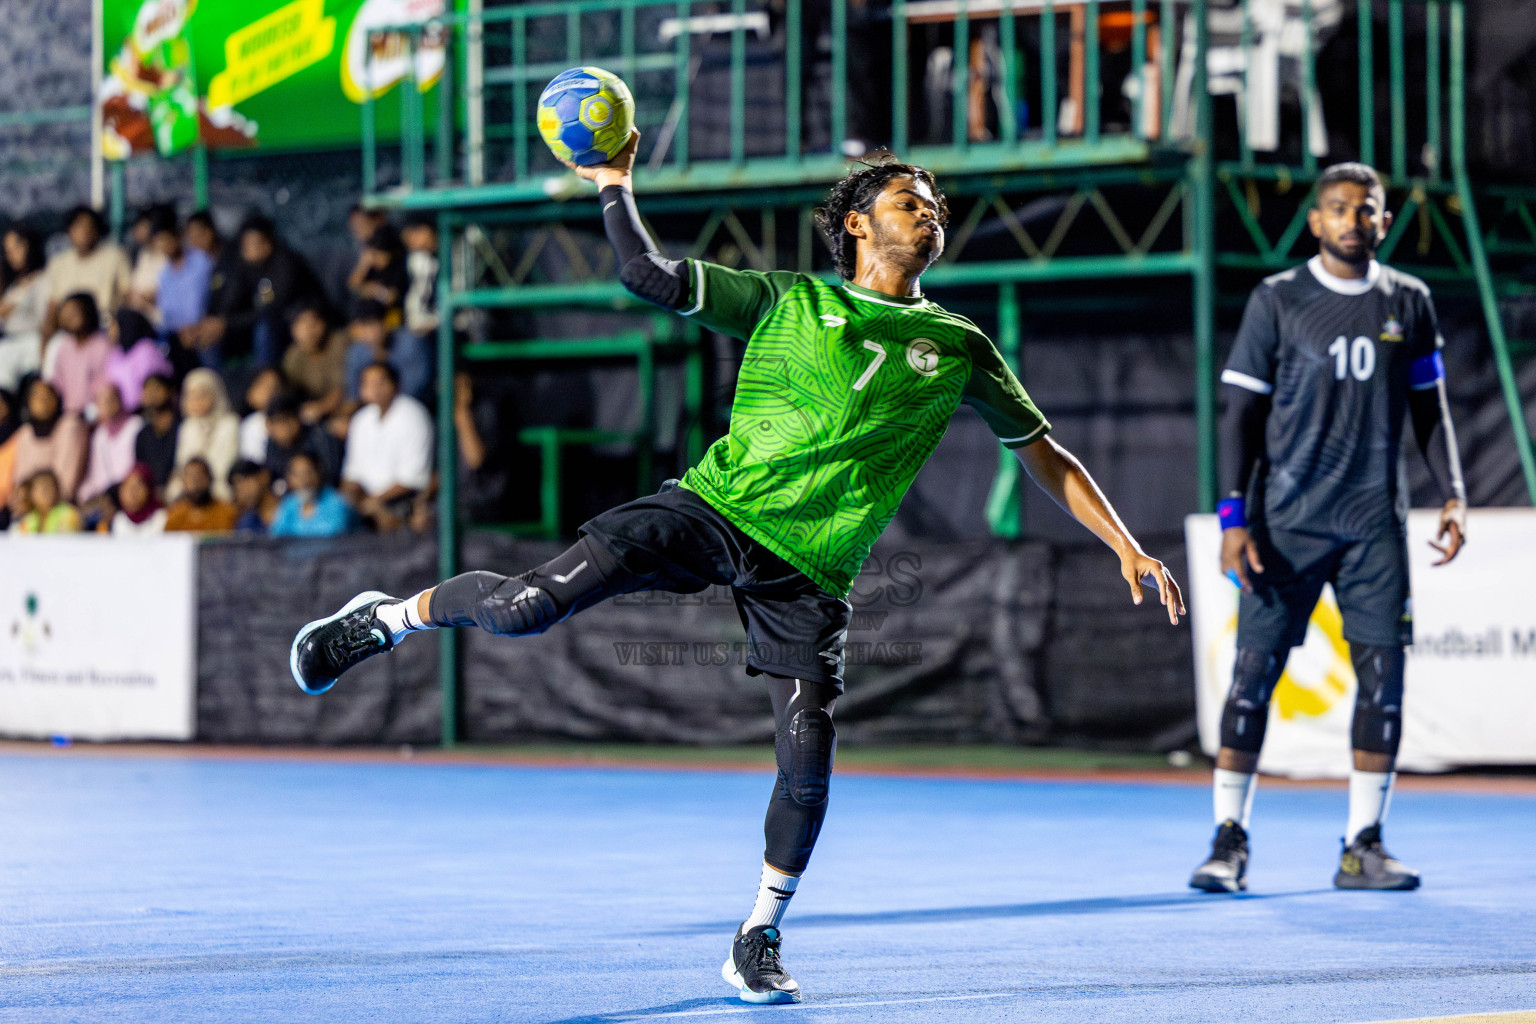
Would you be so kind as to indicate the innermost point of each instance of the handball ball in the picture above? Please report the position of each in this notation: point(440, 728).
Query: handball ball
point(585, 115)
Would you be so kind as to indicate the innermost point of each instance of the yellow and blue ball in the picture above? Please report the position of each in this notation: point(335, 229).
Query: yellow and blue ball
point(585, 115)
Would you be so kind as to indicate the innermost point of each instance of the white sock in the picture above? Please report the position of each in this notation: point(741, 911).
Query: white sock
point(773, 895)
point(1232, 796)
point(1369, 794)
point(401, 618)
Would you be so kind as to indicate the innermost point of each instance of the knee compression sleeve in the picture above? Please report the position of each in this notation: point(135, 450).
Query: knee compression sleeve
point(529, 603)
point(804, 747)
point(1378, 726)
point(1246, 715)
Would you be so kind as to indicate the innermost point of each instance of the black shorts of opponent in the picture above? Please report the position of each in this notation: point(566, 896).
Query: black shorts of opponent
point(795, 629)
point(1369, 577)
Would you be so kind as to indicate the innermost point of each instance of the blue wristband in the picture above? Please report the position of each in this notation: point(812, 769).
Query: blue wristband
point(1232, 512)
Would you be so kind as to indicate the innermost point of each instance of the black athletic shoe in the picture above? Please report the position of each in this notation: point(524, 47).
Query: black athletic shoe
point(754, 969)
point(1227, 869)
point(1366, 864)
point(327, 647)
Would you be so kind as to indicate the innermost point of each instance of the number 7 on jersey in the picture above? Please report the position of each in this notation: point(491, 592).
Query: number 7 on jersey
point(879, 351)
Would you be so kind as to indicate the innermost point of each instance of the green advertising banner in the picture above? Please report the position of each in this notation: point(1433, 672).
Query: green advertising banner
point(279, 74)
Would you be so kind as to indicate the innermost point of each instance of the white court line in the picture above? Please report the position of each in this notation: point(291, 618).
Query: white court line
point(1512, 1017)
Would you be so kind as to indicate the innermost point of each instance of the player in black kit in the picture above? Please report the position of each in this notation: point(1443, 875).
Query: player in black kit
point(1329, 358)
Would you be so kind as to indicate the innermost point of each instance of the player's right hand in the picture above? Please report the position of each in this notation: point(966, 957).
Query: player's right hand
point(1239, 552)
point(615, 171)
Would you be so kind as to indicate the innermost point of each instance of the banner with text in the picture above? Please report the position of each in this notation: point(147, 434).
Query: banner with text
point(97, 637)
point(1470, 693)
point(272, 73)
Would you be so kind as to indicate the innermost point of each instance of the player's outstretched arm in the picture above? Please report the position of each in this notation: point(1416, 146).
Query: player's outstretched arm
point(1058, 473)
point(642, 267)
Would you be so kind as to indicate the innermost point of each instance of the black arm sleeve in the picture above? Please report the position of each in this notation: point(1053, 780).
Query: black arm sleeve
point(1242, 439)
point(642, 268)
point(1436, 436)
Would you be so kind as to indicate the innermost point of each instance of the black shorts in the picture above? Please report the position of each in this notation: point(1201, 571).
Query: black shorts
point(1369, 577)
point(795, 629)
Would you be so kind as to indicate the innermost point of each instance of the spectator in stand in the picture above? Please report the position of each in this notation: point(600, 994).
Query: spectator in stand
point(23, 304)
point(209, 431)
point(380, 274)
point(272, 278)
point(420, 304)
point(288, 434)
point(202, 233)
point(316, 362)
point(361, 224)
point(139, 511)
point(255, 504)
point(311, 508)
point(135, 356)
point(113, 440)
point(89, 265)
point(182, 291)
point(198, 510)
point(373, 342)
point(76, 361)
point(155, 447)
point(389, 451)
point(265, 386)
point(482, 468)
point(10, 423)
point(148, 260)
point(49, 439)
point(47, 511)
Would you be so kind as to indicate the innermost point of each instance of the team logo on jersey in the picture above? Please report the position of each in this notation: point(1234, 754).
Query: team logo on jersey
point(923, 357)
point(1392, 330)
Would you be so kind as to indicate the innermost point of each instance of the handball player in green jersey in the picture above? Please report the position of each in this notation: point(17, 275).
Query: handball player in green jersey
point(843, 394)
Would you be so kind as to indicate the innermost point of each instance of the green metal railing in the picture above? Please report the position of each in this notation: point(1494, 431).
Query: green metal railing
point(516, 66)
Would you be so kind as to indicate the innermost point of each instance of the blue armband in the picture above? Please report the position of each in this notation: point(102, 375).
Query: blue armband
point(1232, 512)
point(1426, 371)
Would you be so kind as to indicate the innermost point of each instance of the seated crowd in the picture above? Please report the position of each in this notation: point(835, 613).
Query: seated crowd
point(116, 377)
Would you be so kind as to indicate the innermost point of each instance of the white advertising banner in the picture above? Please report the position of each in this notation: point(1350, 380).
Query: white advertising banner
point(98, 636)
point(1470, 692)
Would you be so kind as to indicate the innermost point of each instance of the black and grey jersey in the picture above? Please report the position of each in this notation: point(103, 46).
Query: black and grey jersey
point(1334, 354)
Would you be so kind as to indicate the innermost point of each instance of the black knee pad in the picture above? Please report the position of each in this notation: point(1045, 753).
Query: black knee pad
point(804, 751)
point(517, 608)
point(527, 604)
point(1246, 715)
point(1378, 725)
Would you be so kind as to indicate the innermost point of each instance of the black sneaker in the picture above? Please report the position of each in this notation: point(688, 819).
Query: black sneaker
point(1365, 864)
point(754, 968)
point(327, 647)
point(1227, 869)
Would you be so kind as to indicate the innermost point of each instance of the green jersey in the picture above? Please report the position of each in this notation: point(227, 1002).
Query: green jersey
point(842, 396)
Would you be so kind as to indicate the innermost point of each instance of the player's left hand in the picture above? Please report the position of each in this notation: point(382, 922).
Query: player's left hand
point(1453, 523)
point(1135, 567)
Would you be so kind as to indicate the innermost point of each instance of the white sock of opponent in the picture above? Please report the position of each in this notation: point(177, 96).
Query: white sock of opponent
point(1232, 796)
point(1369, 794)
point(402, 618)
point(773, 895)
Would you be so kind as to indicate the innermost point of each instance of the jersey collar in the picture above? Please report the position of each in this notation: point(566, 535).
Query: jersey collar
point(907, 301)
point(1344, 285)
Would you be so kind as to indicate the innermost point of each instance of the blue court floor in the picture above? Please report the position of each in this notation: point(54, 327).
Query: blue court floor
point(142, 888)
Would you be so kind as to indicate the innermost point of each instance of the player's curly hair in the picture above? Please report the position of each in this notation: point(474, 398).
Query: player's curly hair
point(858, 191)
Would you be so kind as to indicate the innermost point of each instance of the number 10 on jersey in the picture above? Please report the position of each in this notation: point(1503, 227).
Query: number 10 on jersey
point(1357, 357)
